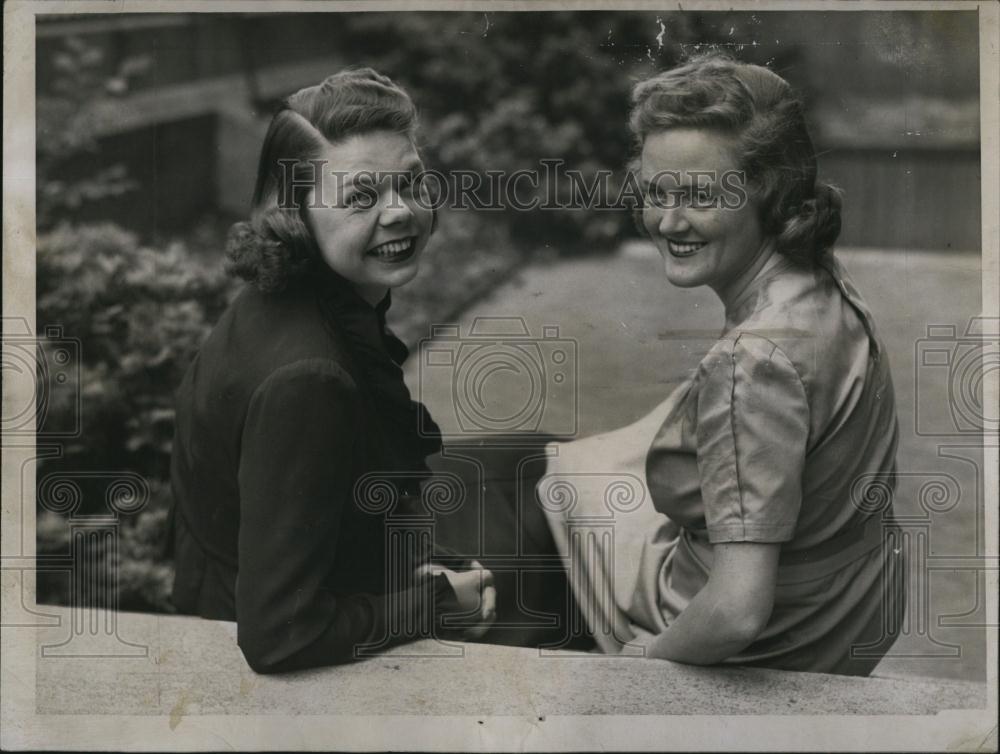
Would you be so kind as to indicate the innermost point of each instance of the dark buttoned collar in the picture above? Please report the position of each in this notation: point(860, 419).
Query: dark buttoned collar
point(378, 357)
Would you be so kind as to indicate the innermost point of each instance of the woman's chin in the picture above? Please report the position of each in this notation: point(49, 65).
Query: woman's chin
point(682, 278)
point(394, 273)
point(398, 274)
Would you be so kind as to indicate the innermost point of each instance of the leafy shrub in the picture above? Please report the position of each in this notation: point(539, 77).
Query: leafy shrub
point(142, 575)
point(139, 314)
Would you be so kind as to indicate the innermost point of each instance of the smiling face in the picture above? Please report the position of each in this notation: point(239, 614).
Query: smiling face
point(371, 228)
point(701, 245)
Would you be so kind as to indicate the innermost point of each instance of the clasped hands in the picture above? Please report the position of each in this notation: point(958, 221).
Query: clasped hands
point(474, 592)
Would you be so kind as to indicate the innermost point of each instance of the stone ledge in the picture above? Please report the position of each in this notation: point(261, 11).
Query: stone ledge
point(193, 667)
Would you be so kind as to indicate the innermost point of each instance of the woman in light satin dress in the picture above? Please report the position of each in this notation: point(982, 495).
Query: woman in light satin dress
point(766, 535)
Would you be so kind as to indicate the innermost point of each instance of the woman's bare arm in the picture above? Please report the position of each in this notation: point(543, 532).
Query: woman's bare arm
point(729, 612)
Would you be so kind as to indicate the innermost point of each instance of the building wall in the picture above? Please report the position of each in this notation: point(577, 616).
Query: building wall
point(908, 199)
point(173, 164)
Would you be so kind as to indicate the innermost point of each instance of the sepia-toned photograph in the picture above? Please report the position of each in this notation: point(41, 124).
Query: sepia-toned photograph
point(500, 376)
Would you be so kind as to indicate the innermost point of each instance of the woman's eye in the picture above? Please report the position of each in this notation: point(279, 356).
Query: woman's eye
point(405, 184)
point(655, 195)
point(363, 199)
point(428, 193)
point(700, 199)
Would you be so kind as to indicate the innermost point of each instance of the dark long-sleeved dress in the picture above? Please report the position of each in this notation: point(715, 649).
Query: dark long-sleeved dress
point(292, 399)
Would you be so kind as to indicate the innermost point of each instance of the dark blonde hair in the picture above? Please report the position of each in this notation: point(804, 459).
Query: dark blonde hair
point(762, 114)
point(276, 247)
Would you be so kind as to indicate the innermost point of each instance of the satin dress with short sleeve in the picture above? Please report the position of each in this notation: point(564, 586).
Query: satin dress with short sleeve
point(786, 433)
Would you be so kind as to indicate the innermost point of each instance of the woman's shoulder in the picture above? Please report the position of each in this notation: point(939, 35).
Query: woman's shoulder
point(808, 314)
point(265, 337)
point(758, 355)
point(793, 301)
point(801, 327)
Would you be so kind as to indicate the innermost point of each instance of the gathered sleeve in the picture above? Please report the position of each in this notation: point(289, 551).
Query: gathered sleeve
point(296, 475)
point(751, 438)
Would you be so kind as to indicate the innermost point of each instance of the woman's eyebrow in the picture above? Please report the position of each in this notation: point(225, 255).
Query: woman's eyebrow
point(662, 177)
point(368, 176)
point(683, 179)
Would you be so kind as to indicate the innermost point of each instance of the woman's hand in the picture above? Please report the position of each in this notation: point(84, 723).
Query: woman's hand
point(474, 591)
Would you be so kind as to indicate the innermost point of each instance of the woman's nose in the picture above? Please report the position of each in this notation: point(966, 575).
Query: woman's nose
point(673, 221)
point(394, 208)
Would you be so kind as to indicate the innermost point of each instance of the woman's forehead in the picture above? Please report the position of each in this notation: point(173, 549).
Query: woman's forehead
point(687, 150)
point(376, 152)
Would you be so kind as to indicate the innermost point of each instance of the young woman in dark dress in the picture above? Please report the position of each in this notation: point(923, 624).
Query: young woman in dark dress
point(298, 395)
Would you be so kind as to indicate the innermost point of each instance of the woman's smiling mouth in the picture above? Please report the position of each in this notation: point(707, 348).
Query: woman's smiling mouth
point(684, 248)
point(393, 252)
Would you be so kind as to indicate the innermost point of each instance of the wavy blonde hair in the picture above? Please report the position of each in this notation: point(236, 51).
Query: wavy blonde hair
point(760, 111)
